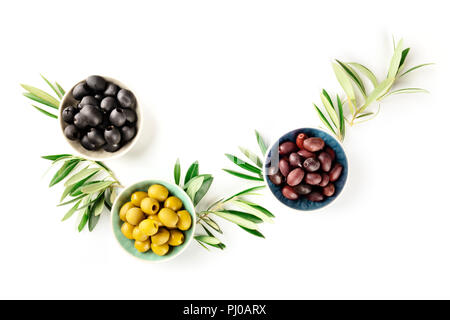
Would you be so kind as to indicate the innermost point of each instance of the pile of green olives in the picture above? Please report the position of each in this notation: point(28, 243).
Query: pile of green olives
point(155, 220)
point(103, 117)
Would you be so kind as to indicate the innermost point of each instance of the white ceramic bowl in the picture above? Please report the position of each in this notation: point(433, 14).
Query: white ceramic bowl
point(99, 155)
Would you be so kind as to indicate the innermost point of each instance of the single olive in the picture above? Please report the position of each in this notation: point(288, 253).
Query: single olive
point(176, 238)
point(99, 96)
point(299, 140)
point(126, 98)
point(287, 148)
point(284, 167)
point(306, 154)
point(295, 177)
point(173, 203)
point(303, 189)
point(168, 217)
point(134, 216)
point(149, 205)
point(127, 230)
point(71, 132)
point(128, 133)
point(139, 235)
point(108, 104)
point(160, 250)
point(124, 209)
point(130, 115)
point(276, 178)
point(325, 161)
point(69, 113)
point(111, 147)
point(336, 172)
point(95, 137)
point(137, 197)
point(331, 153)
point(329, 190)
point(148, 227)
point(88, 145)
point(314, 144)
point(325, 180)
point(88, 100)
point(158, 192)
point(111, 89)
point(311, 164)
point(315, 196)
point(154, 217)
point(289, 193)
point(117, 117)
point(80, 90)
point(93, 114)
point(184, 220)
point(313, 179)
point(96, 83)
point(161, 237)
point(142, 246)
point(295, 160)
point(112, 135)
point(80, 121)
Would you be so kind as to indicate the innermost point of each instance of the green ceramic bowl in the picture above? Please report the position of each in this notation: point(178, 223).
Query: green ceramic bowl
point(128, 244)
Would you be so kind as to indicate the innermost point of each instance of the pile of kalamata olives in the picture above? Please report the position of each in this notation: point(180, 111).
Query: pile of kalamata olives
point(104, 116)
point(306, 168)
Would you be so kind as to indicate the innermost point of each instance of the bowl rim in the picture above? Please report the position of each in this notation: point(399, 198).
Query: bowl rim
point(86, 153)
point(315, 210)
point(187, 241)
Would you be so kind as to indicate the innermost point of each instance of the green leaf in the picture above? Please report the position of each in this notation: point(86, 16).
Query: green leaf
point(252, 210)
point(72, 189)
point(72, 200)
point(378, 92)
point(82, 174)
point(194, 186)
point(93, 220)
point(403, 58)
point(395, 61)
point(416, 67)
point(341, 118)
point(354, 76)
point(84, 219)
point(71, 211)
point(41, 95)
point(245, 192)
point(177, 172)
point(365, 71)
point(96, 187)
point(60, 88)
point(203, 190)
point(58, 93)
point(253, 232)
point(364, 115)
point(328, 104)
point(236, 219)
point(200, 243)
point(192, 172)
point(251, 156)
point(261, 143)
point(407, 90)
point(266, 212)
point(208, 239)
point(243, 176)
point(242, 164)
point(56, 156)
point(51, 115)
point(99, 205)
point(324, 120)
point(212, 224)
point(219, 245)
point(346, 85)
point(37, 99)
point(66, 168)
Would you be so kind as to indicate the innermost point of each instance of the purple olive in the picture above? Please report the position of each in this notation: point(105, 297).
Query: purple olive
point(311, 164)
point(295, 177)
point(276, 178)
point(303, 189)
point(295, 160)
point(313, 179)
point(329, 190)
point(68, 114)
point(335, 173)
point(287, 147)
point(315, 197)
point(313, 144)
point(284, 167)
point(325, 180)
point(331, 153)
point(112, 135)
point(96, 83)
point(325, 161)
point(126, 98)
point(289, 193)
point(80, 91)
point(111, 89)
point(306, 154)
point(71, 132)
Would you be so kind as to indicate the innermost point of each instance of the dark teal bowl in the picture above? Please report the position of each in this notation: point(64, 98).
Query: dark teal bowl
point(302, 203)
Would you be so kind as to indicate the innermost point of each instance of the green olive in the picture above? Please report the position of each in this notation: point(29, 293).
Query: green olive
point(161, 237)
point(176, 238)
point(158, 192)
point(123, 211)
point(168, 217)
point(142, 246)
point(160, 250)
point(137, 197)
point(150, 206)
point(139, 235)
point(148, 227)
point(127, 230)
point(155, 218)
point(134, 216)
point(173, 203)
point(184, 220)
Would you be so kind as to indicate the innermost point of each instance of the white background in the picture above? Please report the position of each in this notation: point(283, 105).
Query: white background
point(207, 74)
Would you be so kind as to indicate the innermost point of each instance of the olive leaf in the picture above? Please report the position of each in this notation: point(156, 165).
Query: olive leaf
point(99, 205)
point(95, 187)
point(210, 222)
point(246, 192)
point(71, 211)
point(252, 210)
point(192, 172)
point(243, 176)
point(407, 90)
point(242, 164)
point(251, 156)
point(220, 245)
point(261, 143)
point(207, 239)
point(66, 168)
point(194, 185)
point(82, 174)
point(177, 172)
point(395, 61)
point(84, 219)
point(324, 119)
point(259, 208)
point(56, 156)
point(354, 76)
point(237, 219)
point(329, 107)
point(253, 232)
point(42, 95)
point(51, 115)
point(346, 85)
point(415, 68)
point(206, 184)
point(53, 87)
point(366, 72)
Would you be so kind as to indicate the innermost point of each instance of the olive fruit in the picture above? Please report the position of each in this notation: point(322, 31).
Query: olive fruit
point(325, 161)
point(149, 205)
point(299, 140)
point(184, 220)
point(161, 237)
point(80, 121)
point(88, 100)
point(112, 135)
point(80, 90)
point(331, 153)
point(158, 192)
point(154, 217)
point(137, 197)
point(68, 114)
point(168, 217)
point(276, 178)
point(99, 97)
point(287, 147)
point(335, 173)
point(173, 203)
point(117, 117)
point(130, 115)
point(306, 154)
point(126, 98)
point(127, 230)
point(87, 144)
point(71, 132)
point(314, 144)
point(295, 160)
point(311, 165)
point(325, 180)
point(148, 227)
point(108, 104)
point(295, 177)
point(111, 89)
point(111, 147)
point(176, 238)
point(160, 250)
point(93, 115)
point(128, 133)
point(134, 216)
point(303, 189)
point(96, 83)
point(329, 190)
point(139, 235)
point(313, 179)
point(95, 137)
point(142, 246)
point(315, 196)
point(284, 167)
point(124, 209)
point(289, 193)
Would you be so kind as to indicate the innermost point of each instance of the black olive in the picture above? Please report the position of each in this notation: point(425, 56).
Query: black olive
point(111, 147)
point(80, 121)
point(131, 115)
point(93, 114)
point(96, 83)
point(128, 133)
point(71, 132)
point(87, 144)
point(108, 104)
point(88, 100)
point(111, 89)
point(80, 90)
point(95, 137)
point(68, 114)
point(126, 98)
point(303, 189)
point(112, 135)
point(99, 97)
point(117, 117)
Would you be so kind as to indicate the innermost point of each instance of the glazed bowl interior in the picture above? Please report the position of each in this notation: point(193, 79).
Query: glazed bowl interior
point(302, 203)
point(128, 244)
point(69, 100)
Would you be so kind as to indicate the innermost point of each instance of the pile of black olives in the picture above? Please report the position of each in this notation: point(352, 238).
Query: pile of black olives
point(104, 116)
point(307, 168)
